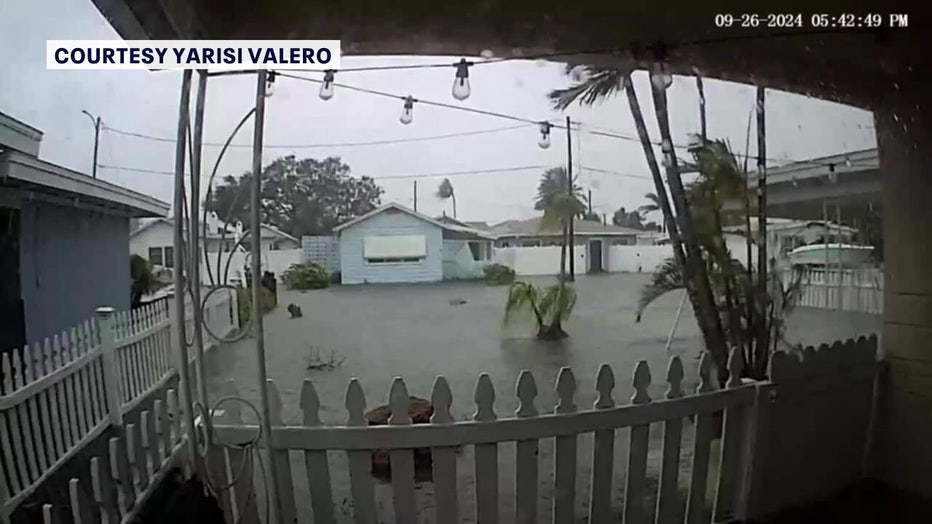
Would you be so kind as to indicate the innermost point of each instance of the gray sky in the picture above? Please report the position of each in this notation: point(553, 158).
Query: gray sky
point(147, 103)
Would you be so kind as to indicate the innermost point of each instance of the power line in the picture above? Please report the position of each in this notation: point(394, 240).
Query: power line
point(336, 144)
point(416, 176)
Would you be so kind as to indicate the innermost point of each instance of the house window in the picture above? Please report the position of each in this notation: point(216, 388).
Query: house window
point(273, 246)
point(155, 256)
point(476, 249)
point(394, 249)
point(531, 243)
point(394, 260)
point(169, 256)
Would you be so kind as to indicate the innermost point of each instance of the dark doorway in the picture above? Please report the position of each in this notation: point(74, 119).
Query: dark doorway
point(595, 256)
point(13, 325)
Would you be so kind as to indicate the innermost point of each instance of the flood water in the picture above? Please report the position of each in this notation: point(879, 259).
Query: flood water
point(455, 329)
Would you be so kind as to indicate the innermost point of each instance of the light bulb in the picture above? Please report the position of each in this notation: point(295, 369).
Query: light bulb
point(461, 81)
point(270, 84)
point(407, 114)
point(661, 76)
point(847, 161)
point(326, 88)
point(544, 141)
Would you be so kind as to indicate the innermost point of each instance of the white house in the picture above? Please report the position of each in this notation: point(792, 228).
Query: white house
point(394, 244)
point(153, 239)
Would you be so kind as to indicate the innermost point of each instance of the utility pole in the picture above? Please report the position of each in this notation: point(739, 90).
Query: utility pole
point(763, 328)
point(569, 186)
point(96, 122)
point(415, 195)
point(590, 202)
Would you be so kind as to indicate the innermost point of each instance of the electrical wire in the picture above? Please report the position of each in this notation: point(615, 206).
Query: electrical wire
point(336, 144)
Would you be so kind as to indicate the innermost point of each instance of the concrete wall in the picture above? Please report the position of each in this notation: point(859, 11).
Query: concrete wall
point(275, 261)
point(72, 261)
point(904, 131)
point(355, 269)
point(539, 260)
point(637, 258)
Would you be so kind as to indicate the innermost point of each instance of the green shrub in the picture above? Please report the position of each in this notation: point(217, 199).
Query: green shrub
point(244, 303)
point(498, 274)
point(307, 276)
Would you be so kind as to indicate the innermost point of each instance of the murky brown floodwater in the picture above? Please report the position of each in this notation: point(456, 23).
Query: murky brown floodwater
point(415, 332)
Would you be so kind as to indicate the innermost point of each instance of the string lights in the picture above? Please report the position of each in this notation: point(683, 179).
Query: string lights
point(326, 88)
point(544, 141)
point(461, 89)
point(407, 113)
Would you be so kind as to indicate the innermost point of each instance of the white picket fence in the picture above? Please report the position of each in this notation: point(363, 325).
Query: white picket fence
point(845, 289)
point(58, 396)
point(818, 401)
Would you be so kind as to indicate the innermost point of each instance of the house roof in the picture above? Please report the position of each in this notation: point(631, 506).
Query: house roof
point(28, 172)
point(272, 230)
point(532, 227)
point(403, 209)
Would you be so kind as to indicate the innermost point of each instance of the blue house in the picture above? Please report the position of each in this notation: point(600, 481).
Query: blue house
point(394, 244)
point(64, 248)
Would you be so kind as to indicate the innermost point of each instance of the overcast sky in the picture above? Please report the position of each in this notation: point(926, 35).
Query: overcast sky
point(147, 103)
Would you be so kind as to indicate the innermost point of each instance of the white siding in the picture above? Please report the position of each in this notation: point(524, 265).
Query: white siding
point(354, 268)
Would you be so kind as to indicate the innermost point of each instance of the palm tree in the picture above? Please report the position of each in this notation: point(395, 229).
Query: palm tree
point(747, 308)
point(445, 191)
point(601, 83)
point(653, 204)
point(550, 307)
point(560, 207)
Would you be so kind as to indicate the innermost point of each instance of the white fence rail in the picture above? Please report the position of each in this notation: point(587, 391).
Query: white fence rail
point(58, 396)
point(846, 289)
point(751, 457)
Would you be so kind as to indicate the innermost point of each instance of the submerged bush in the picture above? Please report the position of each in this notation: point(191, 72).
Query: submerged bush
point(498, 274)
point(307, 276)
point(244, 303)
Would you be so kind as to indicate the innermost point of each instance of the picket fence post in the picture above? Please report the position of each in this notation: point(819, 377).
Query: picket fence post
point(109, 360)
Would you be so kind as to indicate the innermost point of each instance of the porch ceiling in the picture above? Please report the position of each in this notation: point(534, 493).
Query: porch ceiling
point(849, 66)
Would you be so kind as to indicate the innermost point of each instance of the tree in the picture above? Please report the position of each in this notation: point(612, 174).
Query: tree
point(300, 197)
point(653, 204)
point(601, 83)
point(747, 309)
point(550, 307)
point(445, 191)
point(143, 279)
point(560, 206)
point(625, 218)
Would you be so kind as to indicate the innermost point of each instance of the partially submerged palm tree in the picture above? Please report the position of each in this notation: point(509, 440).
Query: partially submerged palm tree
point(600, 83)
point(550, 307)
point(445, 191)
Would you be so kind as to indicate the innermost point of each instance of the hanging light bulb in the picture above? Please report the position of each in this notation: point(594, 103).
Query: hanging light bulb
point(832, 175)
point(270, 84)
point(847, 161)
point(461, 82)
point(326, 89)
point(660, 75)
point(544, 141)
point(407, 114)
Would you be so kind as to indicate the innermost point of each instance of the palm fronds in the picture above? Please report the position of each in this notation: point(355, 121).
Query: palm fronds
point(599, 83)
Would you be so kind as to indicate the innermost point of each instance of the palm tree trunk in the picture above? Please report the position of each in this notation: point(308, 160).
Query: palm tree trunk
point(454, 204)
point(676, 241)
point(695, 269)
point(563, 253)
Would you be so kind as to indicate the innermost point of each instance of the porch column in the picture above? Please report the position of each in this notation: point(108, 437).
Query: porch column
point(903, 453)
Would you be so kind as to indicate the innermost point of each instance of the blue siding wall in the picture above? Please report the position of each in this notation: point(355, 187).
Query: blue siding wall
point(71, 262)
point(354, 268)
